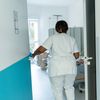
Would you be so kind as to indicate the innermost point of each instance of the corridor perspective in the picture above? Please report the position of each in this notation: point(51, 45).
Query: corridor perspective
point(26, 24)
point(41, 85)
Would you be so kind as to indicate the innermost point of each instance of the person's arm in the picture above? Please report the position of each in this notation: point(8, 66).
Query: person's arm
point(41, 49)
point(38, 51)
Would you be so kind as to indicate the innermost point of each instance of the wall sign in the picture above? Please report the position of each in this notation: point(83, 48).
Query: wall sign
point(16, 22)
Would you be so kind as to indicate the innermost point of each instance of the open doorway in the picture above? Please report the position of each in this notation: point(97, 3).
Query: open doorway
point(47, 17)
point(48, 14)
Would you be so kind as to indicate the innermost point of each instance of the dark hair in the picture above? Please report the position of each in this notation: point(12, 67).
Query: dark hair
point(61, 25)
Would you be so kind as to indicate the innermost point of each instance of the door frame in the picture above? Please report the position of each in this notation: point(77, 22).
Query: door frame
point(90, 50)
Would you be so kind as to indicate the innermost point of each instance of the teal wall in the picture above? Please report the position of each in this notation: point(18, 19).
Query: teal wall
point(15, 81)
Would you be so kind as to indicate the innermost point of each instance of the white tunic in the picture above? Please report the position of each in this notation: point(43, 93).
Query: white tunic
point(62, 61)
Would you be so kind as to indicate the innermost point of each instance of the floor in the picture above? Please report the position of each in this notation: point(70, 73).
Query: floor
point(41, 85)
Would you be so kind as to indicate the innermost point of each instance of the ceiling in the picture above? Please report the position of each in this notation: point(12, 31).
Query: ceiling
point(51, 2)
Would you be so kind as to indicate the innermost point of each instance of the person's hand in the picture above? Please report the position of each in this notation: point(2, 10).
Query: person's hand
point(80, 61)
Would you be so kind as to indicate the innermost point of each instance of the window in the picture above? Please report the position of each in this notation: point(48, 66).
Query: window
point(33, 34)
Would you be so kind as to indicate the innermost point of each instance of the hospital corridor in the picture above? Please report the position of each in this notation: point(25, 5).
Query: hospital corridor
point(27, 24)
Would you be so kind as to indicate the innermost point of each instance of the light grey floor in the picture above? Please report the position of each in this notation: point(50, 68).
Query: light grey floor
point(41, 85)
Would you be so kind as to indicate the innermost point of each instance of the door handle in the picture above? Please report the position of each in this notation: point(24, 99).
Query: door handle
point(87, 60)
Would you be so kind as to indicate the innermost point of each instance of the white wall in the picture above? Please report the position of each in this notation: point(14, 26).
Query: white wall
point(73, 14)
point(97, 12)
point(13, 46)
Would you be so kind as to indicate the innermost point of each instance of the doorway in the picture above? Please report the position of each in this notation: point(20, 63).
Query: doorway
point(46, 28)
point(91, 48)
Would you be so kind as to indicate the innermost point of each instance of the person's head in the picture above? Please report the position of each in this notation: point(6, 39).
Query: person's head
point(61, 26)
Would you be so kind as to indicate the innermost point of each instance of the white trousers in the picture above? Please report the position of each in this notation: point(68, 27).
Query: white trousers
point(63, 83)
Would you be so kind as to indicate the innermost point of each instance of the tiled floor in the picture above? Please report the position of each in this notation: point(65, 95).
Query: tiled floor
point(41, 85)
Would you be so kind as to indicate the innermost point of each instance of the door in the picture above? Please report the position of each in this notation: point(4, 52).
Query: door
point(90, 49)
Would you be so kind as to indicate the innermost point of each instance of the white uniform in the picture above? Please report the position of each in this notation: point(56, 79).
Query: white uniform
point(62, 63)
